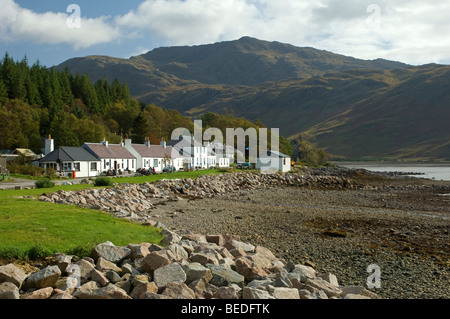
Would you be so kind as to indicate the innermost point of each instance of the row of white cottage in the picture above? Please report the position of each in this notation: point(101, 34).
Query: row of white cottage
point(91, 159)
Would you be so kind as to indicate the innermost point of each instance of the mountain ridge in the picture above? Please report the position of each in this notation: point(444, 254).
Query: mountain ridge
point(328, 98)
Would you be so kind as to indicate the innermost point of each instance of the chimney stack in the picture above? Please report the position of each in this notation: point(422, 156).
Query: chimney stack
point(163, 143)
point(147, 142)
point(49, 145)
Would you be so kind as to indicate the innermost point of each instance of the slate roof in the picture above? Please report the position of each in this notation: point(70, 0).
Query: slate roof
point(111, 151)
point(155, 151)
point(69, 154)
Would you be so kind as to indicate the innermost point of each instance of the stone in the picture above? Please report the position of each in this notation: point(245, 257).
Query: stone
point(167, 274)
point(105, 265)
point(260, 284)
point(249, 269)
point(238, 252)
point(99, 277)
point(355, 296)
point(84, 270)
point(152, 295)
point(138, 251)
point(67, 284)
point(329, 289)
point(62, 261)
point(329, 277)
point(155, 260)
point(92, 291)
point(44, 293)
point(195, 271)
point(226, 293)
point(170, 237)
point(254, 293)
point(110, 252)
point(358, 290)
point(178, 290)
point(140, 279)
point(44, 278)
point(8, 290)
point(148, 287)
point(223, 276)
point(204, 259)
point(216, 239)
point(305, 272)
point(282, 280)
point(13, 274)
point(112, 276)
point(178, 251)
point(286, 293)
point(199, 238)
point(62, 295)
point(129, 269)
point(265, 252)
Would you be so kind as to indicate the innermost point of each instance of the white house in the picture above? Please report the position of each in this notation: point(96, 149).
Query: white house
point(72, 162)
point(194, 154)
point(154, 156)
point(112, 156)
point(274, 162)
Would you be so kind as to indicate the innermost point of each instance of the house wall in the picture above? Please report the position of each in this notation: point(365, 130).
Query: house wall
point(84, 171)
point(282, 164)
point(122, 164)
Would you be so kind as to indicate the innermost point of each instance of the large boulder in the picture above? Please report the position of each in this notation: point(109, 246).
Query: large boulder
point(44, 278)
point(110, 252)
point(12, 273)
point(169, 273)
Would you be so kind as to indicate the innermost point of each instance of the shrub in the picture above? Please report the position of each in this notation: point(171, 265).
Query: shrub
point(38, 251)
point(103, 181)
point(44, 183)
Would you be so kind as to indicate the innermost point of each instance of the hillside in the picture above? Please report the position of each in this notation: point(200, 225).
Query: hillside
point(352, 108)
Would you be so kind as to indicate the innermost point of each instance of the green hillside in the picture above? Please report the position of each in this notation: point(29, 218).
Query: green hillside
point(352, 108)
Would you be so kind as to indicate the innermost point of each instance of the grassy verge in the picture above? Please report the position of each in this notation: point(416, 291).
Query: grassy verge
point(33, 229)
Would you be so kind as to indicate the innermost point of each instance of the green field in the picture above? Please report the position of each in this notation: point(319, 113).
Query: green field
point(30, 228)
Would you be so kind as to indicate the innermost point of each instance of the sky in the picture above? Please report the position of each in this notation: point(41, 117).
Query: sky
point(52, 31)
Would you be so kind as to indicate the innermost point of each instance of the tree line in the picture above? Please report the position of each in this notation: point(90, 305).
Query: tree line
point(36, 101)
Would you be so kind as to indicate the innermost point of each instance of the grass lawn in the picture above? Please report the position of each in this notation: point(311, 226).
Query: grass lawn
point(30, 228)
point(175, 175)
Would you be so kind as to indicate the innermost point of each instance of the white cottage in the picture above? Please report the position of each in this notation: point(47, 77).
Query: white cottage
point(112, 156)
point(158, 157)
point(75, 162)
point(274, 162)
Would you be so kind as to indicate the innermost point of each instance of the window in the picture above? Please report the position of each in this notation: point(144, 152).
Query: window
point(93, 166)
point(155, 163)
point(76, 167)
point(67, 166)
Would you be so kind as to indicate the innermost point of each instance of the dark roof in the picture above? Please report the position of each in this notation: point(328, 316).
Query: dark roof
point(155, 151)
point(69, 154)
point(110, 151)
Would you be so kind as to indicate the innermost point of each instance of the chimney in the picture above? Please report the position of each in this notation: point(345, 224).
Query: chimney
point(147, 142)
point(163, 143)
point(105, 142)
point(127, 143)
point(49, 145)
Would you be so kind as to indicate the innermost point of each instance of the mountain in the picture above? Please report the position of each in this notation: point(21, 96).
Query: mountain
point(350, 107)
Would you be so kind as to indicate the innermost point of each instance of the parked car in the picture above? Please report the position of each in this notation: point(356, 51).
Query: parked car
point(169, 169)
point(244, 165)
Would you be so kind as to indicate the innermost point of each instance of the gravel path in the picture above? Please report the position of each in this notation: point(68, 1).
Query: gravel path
point(402, 229)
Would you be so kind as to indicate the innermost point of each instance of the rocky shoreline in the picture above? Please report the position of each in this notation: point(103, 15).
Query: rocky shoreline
point(191, 266)
point(333, 220)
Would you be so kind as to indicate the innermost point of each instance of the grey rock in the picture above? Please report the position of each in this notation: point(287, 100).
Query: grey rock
point(224, 276)
point(169, 273)
point(12, 273)
point(8, 290)
point(44, 278)
point(110, 252)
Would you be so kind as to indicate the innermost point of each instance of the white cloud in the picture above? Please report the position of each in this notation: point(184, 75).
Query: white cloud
point(20, 24)
point(410, 31)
